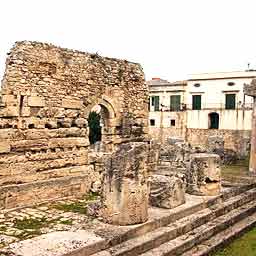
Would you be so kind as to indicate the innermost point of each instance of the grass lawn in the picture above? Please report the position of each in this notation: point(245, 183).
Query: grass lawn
point(244, 246)
point(238, 169)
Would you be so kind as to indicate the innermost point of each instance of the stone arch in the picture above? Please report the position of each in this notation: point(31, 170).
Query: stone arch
point(108, 120)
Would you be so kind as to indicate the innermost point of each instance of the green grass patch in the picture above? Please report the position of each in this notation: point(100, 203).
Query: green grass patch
point(31, 227)
point(26, 234)
point(77, 207)
point(66, 222)
point(30, 223)
point(92, 196)
point(244, 246)
point(240, 168)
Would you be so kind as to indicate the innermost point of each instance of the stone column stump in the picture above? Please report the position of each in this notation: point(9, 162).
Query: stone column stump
point(125, 185)
point(203, 176)
point(167, 191)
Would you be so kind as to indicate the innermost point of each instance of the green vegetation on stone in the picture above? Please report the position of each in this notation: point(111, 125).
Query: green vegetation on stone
point(240, 168)
point(78, 207)
point(30, 223)
point(31, 227)
point(66, 222)
point(91, 196)
point(244, 246)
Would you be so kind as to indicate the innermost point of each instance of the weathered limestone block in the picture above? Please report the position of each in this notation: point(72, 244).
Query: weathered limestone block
point(36, 101)
point(9, 112)
point(125, 185)
point(9, 100)
point(166, 191)
point(73, 104)
point(216, 144)
point(203, 177)
point(4, 147)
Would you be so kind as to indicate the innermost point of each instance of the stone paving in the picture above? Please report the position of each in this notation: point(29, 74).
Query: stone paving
point(21, 224)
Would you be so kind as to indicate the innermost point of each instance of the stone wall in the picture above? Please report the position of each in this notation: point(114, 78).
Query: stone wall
point(235, 140)
point(47, 94)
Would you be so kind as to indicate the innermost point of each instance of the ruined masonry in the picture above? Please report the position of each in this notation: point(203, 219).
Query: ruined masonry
point(47, 95)
point(204, 177)
point(250, 90)
point(125, 185)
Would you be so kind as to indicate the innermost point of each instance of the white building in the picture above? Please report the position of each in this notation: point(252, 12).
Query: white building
point(166, 105)
point(210, 104)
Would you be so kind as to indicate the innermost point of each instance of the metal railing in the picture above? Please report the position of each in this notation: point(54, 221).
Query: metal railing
point(204, 106)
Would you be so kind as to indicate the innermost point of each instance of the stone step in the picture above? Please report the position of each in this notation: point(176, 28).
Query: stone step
point(223, 238)
point(187, 223)
point(181, 244)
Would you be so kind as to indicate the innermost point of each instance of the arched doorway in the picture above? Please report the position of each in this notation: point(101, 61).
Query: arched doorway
point(99, 120)
point(214, 120)
point(95, 133)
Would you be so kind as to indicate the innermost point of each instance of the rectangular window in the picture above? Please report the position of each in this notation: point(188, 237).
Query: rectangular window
point(196, 102)
point(175, 103)
point(230, 101)
point(172, 122)
point(152, 122)
point(155, 103)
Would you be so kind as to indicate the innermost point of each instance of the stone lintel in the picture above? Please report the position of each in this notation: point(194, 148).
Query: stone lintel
point(5, 147)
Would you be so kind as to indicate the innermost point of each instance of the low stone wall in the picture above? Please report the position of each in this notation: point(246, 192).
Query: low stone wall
point(165, 133)
point(235, 140)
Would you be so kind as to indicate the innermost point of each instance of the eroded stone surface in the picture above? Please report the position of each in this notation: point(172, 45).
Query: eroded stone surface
point(167, 191)
point(55, 244)
point(46, 96)
point(125, 185)
point(204, 174)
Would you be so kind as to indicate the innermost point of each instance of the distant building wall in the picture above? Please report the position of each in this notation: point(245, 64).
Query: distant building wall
point(233, 122)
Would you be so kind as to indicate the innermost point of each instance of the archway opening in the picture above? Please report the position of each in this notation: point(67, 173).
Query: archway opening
point(214, 120)
point(95, 133)
point(98, 122)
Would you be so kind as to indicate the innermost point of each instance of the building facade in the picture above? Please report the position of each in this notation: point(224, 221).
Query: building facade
point(210, 104)
point(167, 116)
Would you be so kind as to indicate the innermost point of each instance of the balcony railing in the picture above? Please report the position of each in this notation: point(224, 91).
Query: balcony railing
point(205, 106)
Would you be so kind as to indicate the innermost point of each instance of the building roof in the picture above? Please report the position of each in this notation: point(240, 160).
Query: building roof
point(223, 75)
point(162, 82)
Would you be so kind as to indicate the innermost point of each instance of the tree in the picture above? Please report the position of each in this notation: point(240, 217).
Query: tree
point(94, 127)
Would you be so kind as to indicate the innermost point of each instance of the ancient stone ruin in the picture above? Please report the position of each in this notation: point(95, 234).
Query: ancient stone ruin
point(49, 151)
point(125, 185)
point(250, 90)
point(204, 177)
point(46, 97)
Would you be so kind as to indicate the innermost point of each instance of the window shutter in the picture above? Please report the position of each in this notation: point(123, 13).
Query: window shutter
point(230, 101)
point(175, 103)
point(196, 102)
point(156, 103)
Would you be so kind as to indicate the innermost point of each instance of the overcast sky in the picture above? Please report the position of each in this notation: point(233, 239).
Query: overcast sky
point(170, 38)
